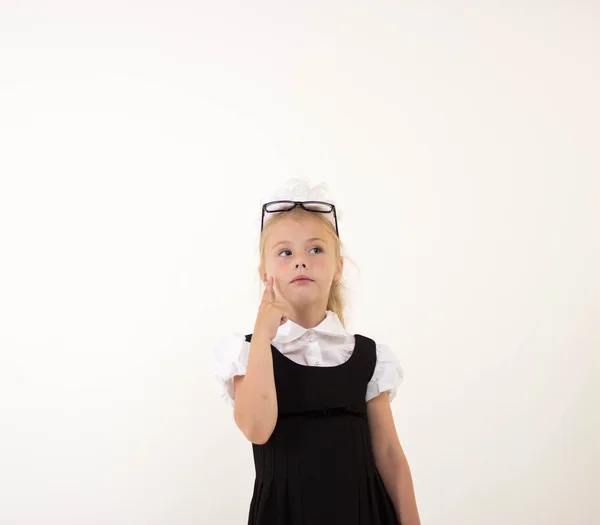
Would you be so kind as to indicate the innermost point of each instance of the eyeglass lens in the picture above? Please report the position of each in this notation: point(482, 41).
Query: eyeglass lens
point(288, 205)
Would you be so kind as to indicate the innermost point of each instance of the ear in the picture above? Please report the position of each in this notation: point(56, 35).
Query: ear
point(337, 276)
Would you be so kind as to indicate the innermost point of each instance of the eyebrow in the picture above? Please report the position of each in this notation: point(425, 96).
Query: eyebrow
point(307, 240)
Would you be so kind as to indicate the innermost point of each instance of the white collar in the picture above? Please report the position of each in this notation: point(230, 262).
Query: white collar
point(331, 325)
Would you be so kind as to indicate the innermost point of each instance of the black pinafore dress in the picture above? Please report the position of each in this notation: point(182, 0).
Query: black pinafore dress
point(317, 468)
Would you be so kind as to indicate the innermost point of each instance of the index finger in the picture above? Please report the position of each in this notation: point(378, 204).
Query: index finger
point(269, 294)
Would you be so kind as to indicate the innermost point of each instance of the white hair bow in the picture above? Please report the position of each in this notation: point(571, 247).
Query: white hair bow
point(299, 190)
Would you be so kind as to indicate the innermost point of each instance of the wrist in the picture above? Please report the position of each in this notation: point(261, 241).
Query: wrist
point(261, 335)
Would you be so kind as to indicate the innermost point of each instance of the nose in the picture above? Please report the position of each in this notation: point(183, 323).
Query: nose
point(300, 259)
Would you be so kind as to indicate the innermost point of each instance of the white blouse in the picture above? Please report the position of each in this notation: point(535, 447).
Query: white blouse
point(327, 344)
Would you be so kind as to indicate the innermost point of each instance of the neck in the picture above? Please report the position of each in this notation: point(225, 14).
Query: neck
point(308, 317)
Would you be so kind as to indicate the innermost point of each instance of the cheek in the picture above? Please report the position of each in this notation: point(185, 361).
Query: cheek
point(323, 266)
point(279, 264)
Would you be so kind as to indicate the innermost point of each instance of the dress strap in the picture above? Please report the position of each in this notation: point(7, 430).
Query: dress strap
point(325, 412)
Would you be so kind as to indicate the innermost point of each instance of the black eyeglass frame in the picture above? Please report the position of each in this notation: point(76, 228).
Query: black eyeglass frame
point(302, 204)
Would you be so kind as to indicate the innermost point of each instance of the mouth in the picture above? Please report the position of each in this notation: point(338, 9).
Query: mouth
point(302, 279)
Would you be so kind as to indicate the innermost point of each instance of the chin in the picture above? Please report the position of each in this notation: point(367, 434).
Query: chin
point(303, 299)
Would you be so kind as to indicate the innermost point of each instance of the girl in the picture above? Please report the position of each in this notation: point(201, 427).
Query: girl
point(313, 399)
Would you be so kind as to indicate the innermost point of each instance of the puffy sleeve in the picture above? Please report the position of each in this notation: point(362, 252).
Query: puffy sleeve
point(230, 359)
point(388, 374)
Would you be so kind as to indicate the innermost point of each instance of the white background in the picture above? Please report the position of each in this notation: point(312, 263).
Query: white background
point(136, 143)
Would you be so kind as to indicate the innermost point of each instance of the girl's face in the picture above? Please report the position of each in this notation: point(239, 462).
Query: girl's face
point(301, 245)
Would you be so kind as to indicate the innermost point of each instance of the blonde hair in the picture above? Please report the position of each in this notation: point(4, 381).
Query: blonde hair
point(337, 300)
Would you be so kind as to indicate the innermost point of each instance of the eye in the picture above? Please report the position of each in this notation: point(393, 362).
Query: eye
point(314, 248)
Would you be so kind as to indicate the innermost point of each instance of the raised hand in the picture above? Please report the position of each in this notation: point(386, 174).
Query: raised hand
point(272, 312)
